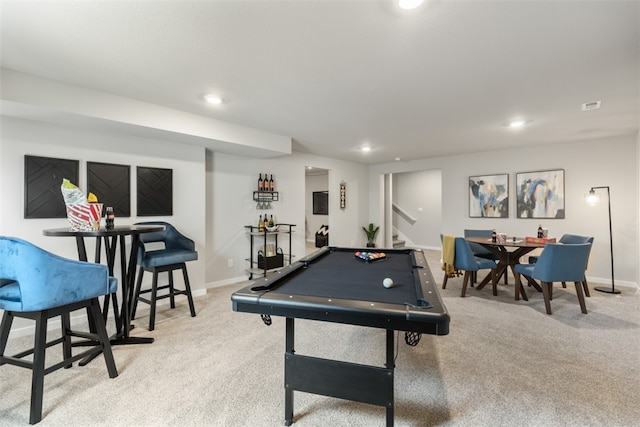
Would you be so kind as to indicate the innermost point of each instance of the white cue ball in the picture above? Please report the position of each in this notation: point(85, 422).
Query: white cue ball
point(387, 283)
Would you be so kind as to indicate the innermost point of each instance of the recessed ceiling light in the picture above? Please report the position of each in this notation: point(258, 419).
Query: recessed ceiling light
point(517, 124)
point(409, 4)
point(365, 148)
point(213, 99)
point(397, 159)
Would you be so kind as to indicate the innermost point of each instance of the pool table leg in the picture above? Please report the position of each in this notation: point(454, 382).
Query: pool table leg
point(288, 391)
point(390, 365)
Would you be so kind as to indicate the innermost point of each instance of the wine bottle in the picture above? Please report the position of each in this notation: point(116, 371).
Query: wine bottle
point(272, 184)
point(540, 232)
point(260, 223)
point(266, 221)
point(494, 236)
point(271, 223)
point(260, 183)
point(109, 218)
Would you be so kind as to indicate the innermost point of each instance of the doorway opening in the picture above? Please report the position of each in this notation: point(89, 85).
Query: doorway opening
point(317, 210)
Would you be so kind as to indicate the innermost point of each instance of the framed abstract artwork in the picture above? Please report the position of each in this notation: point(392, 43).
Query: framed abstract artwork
point(540, 194)
point(489, 196)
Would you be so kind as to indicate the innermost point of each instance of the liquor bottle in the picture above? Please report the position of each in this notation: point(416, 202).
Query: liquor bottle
point(540, 232)
point(266, 183)
point(494, 236)
point(271, 223)
point(272, 184)
point(266, 221)
point(260, 183)
point(260, 223)
point(109, 218)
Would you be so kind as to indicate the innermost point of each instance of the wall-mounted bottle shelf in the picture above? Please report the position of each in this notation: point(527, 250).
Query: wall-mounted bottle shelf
point(265, 196)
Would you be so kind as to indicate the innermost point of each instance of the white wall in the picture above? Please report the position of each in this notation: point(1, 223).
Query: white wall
point(231, 181)
point(612, 162)
point(20, 137)
point(419, 193)
point(24, 137)
point(315, 221)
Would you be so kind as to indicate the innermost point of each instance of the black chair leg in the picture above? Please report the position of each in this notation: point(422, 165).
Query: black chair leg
point(172, 294)
point(136, 294)
point(5, 327)
point(65, 320)
point(152, 300)
point(37, 376)
point(101, 331)
point(187, 287)
point(444, 281)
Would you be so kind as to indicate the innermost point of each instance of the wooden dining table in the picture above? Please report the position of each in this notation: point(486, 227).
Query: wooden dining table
point(509, 253)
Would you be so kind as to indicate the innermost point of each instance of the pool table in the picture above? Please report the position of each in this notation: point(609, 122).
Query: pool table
point(334, 285)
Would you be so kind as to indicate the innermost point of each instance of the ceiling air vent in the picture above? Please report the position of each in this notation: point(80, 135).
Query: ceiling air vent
point(593, 105)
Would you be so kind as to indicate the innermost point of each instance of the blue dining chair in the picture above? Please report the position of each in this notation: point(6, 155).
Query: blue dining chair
point(465, 260)
point(557, 263)
point(570, 239)
point(479, 250)
point(38, 285)
point(176, 250)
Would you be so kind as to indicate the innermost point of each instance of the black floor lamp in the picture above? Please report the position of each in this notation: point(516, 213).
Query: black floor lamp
point(593, 199)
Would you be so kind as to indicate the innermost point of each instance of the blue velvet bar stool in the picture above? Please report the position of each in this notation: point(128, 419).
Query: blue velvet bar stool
point(38, 285)
point(176, 249)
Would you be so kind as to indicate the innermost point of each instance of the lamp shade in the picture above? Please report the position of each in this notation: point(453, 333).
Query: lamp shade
point(592, 198)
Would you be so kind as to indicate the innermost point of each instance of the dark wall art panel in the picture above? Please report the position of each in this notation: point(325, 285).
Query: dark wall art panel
point(112, 185)
point(155, 191)
point(321, 203)
point(42, 179)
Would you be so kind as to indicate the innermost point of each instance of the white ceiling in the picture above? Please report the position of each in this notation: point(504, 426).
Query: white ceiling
point(335, 75)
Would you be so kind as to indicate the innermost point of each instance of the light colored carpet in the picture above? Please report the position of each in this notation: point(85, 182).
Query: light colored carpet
point(504, 363)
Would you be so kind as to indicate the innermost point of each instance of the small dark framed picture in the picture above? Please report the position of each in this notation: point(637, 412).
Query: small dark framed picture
point(321, 203)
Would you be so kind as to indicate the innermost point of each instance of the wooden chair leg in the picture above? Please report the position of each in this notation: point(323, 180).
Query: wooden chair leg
point(187, 287)
point(546, 290)
point(564, 285)
point(586, 287)
point(583, 305)
point(465, 281)
point(444, 281)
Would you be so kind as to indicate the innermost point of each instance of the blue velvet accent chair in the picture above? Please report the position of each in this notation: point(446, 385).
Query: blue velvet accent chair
point(557, 263)
point(570, 239)
point(466, 261)
point(174, 251)
point(38, 285)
